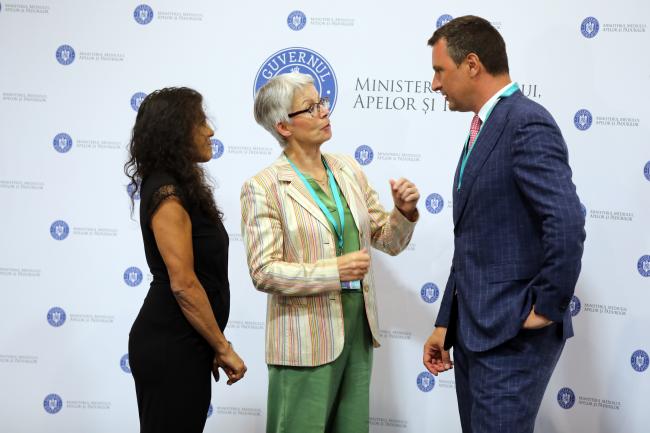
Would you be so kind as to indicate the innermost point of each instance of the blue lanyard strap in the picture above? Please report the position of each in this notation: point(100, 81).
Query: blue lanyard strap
point(321, 205)
point(466, 150)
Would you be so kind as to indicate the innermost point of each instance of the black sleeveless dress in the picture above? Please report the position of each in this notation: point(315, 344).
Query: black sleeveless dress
point(170, 361)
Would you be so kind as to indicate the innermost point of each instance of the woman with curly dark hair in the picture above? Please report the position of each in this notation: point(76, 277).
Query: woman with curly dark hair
point(177, 338)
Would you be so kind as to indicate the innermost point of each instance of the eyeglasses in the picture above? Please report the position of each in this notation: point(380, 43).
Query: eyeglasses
point(323, 103)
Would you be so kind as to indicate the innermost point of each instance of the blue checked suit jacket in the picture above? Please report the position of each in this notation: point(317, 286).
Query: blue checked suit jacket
point(518, 229)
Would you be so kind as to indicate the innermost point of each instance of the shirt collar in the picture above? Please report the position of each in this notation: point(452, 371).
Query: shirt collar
point(485, 109)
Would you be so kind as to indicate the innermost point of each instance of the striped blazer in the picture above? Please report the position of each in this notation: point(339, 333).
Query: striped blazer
point(291, 253)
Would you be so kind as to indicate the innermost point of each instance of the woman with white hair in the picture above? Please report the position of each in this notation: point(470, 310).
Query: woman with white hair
point(308, 222)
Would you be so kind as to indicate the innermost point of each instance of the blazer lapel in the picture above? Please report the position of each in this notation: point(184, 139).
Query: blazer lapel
point(486, 141)
point(341, 177)
point(297, 191)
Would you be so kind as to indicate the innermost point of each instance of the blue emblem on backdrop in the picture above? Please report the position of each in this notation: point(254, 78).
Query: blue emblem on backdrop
point(644, 266)
point(364, 154)
point(130, 190)
point(640, 360)
point(566, 398)
point(210, 410)
point(429, 293)
point(133, 276)
point(582, 120)
point(124, 364)
point(296, 20)
point(435, 203)
point(59, 230)
point(443, 19)
point(426, 381)
point(52, 403)
point(584, 210)
point(62, 142)
point(136, 100)
point(217, 148)
point(301, 60)
point(56, 316)
point(589, 27)
point(575, 306)
point(143, 14)
point(646, 170)
point(65, 54)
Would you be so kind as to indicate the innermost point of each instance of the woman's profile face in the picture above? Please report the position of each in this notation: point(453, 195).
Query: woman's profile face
point(309, 128)
point(202, 143)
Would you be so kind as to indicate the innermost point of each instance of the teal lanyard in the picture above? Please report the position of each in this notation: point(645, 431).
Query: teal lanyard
point(466, 150)
point(321, 205)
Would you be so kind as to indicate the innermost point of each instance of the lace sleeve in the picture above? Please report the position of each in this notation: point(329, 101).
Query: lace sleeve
point(160, 195)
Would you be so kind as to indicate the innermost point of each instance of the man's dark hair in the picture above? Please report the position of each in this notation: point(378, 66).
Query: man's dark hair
point(471, 34)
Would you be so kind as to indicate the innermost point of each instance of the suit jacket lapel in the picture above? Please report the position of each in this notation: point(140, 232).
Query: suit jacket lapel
point(486, 141)
point(297, 191)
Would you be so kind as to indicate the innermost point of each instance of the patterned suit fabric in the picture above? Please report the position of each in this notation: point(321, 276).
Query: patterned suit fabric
point(518, 228)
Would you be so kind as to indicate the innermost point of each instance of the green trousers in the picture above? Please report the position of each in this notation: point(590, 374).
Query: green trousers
point(334, 397)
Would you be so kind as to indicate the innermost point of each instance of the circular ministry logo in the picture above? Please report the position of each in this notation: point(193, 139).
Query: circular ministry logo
point(143, 14)
point(583, 209)
point(582, 119)
point(364, 154)
point(210, 410)
point(643, 266)
point(56, 316)
point(217, 148)
point(435, 203)
point(303, 60)
point(429, 293)
point(65, 54)
point(589, 27)
point(133, 276)
point(566, 398)
point(52, 403)
point(59, 230)
point(646, 170)
point(574, 306)
point(132, 192)
point(640, 360)
point(62, 142)
point(442, 20)
point(124, 364)
point(426, 381)
point(137, 99)
point(296, 20)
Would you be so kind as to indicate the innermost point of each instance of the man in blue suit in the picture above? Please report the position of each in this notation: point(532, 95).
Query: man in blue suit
point(518, 238)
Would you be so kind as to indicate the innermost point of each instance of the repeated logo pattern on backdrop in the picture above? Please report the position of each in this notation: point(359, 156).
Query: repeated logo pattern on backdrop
point(566, 398)
point(589, 27)
point(434, 203)
point(143, 14)
point(65, 55)
point(296, 20)
point(364, 154)
point(73, 263)
point(52, 403)
point(62, 142)
point(133, 276)
point(582, 119)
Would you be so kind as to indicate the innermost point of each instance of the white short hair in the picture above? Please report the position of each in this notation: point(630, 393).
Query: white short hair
point(274, 100)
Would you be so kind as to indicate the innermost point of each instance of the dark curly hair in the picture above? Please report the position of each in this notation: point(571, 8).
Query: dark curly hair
point(163, 139)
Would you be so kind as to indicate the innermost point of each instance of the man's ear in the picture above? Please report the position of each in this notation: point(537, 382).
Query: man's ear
point(283, 129)
point(474, 64)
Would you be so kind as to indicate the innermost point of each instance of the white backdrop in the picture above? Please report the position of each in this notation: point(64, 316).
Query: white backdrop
point(70, 76)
